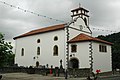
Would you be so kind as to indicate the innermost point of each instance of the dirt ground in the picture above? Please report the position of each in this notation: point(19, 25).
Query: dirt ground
point(25, 76)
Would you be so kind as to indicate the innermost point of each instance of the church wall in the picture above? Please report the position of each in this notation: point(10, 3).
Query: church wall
point(46, 45)
point(101, 60)
point(82, 54)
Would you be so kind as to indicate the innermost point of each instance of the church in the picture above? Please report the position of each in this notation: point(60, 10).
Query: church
point(70, 45)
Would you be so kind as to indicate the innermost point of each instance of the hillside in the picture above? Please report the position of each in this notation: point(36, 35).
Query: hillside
point(115, 39)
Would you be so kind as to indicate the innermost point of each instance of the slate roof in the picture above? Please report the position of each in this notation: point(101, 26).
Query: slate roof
point(83, 37)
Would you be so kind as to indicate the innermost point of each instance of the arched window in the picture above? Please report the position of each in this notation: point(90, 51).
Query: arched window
point(38, 41)
point(38, 50)
point(37, 64)
point(55, 38)
point(22, 52)
point(55, 50)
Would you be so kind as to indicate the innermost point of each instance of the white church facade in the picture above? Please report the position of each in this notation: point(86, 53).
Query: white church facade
point(71, 44)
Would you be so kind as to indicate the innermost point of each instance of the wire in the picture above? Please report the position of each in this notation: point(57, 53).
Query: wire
point(104, 30)
point(44, 16)
point(34, 13)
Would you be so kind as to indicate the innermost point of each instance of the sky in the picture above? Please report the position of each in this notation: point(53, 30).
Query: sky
point(104, 14)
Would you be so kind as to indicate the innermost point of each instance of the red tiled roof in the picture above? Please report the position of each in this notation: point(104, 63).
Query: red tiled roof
point(42, 30)
point(83, 37)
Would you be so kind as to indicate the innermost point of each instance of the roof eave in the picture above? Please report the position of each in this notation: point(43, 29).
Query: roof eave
point(35, 33)
point(109, 43)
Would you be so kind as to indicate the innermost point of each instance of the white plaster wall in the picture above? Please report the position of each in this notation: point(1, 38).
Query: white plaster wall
point(82, 54)
point(101, 60)
point(46, 46)
point(75, 25)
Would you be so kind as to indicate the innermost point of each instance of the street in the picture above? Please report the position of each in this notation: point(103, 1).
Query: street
point(25, 76)
point(111, 78)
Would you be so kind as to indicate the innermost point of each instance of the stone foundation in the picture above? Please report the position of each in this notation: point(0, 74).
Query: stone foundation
point(79, 72)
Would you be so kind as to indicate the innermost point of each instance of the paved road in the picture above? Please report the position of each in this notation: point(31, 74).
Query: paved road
point(24, 76)
point(111, 78)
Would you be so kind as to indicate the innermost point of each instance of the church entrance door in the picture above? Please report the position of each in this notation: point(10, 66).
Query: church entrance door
point(74, 63)
point(37, 64)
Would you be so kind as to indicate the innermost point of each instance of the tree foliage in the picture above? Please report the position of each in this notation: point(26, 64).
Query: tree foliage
point(115, 39)
point(6, 54)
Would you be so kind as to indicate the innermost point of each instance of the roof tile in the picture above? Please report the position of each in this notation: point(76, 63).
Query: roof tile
point(42, 30)
point(83, 37)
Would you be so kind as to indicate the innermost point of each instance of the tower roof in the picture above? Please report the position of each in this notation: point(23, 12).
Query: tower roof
point(80, 8)
point(79, 11)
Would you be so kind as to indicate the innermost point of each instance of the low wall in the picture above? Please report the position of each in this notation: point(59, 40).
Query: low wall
point(79, 72)
point(12, 69)
point(45, 71)
point(24, 70)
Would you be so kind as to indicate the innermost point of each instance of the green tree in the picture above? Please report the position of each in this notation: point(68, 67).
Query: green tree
point(6, 54)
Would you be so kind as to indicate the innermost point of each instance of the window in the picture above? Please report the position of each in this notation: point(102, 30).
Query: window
point(55, 50)
point(55, 38)
point(38, 41)
point(102, 48)
point(73, 48)
point(22, 52)
point(38, 50)
point(81, 27)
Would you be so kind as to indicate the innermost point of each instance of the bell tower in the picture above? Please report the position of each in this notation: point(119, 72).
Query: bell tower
point(82, 13)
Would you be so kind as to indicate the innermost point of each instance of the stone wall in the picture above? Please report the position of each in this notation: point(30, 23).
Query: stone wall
point(79, 72)
point(46, 71)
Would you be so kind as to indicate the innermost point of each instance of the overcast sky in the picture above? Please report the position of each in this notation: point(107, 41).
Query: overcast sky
point(104, 14)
